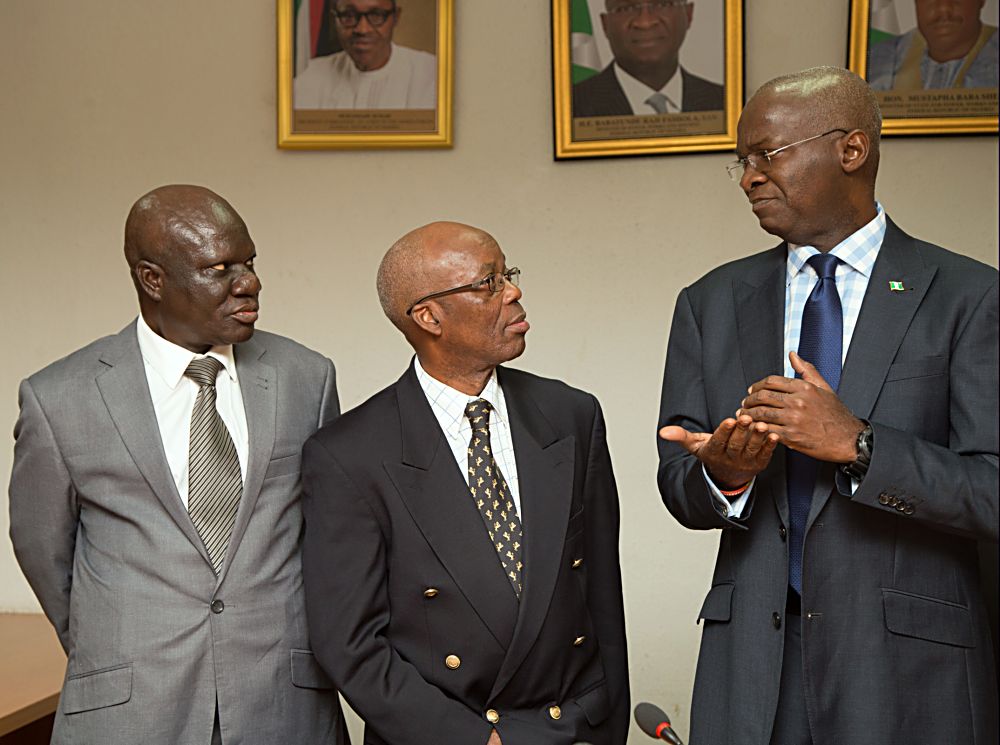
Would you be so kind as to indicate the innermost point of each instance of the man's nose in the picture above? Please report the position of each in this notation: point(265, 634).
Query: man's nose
point(363, 19)
point(512, 293)
point(751, 177)
point(247, 283)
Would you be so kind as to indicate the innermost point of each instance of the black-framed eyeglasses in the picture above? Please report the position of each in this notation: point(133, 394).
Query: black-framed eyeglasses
point(760, 161)
point(494, 282)
point(350, 18)
point(656, 7)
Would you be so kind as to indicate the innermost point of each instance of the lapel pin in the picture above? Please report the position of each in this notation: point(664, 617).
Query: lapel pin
point(896, 286)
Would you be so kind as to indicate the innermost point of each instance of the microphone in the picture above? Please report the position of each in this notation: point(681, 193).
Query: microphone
point(654, 722)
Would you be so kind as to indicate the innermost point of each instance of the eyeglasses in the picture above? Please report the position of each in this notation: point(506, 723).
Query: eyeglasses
point(656, 7)
point(351, 18)
point(760, 161)
point(495, 282)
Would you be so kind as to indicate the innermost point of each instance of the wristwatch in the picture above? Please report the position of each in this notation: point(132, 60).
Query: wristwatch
point(859, 467)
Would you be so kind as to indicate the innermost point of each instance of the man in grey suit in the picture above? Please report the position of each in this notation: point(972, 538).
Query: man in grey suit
point(169, 564)
point(830, 404)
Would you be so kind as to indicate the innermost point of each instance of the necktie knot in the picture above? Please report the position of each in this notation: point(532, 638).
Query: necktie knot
point(204, 371)
point(659, 102)
point(825, 265)
point(478, 412)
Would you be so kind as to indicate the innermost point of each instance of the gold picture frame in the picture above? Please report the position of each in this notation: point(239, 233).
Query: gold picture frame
point(913, 110)
point(610, 126)
point(402, 119)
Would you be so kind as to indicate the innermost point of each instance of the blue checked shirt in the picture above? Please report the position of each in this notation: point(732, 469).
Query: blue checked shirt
point(857, 253)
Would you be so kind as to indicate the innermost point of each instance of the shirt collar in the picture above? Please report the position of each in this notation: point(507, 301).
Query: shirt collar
point(169, 360)
point(858, 250)
point(637, 92)
point(452, 401)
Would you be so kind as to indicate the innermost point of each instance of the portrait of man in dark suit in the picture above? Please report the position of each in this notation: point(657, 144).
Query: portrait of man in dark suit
point(829, 405)
point(154, 501)
point(645, 76)
point(461, 552)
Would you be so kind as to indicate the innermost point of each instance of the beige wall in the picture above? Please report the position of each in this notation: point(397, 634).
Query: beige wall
point(103, 100)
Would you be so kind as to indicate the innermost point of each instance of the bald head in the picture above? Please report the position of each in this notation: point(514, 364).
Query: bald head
point(830, 97)
point(175, 217)
point(419, 262)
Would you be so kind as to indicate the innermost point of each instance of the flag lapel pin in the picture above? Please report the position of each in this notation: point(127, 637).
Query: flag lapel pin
point(896, 286)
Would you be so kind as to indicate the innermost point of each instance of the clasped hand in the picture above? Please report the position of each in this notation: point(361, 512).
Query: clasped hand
point(804, 414)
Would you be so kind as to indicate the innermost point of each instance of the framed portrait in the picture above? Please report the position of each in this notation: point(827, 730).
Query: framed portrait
point(355, 74)
point(932, 63)
point(640, 78)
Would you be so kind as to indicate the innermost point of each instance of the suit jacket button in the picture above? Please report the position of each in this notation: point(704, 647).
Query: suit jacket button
point(578, 641)
point(909, 509)
point(492, 716)
point(883, 498)
point(577, 563)
point(430, 592)
point(893, 500)
point(783, 532)
point(901, 505)
point(217, 606)
point(452, 662)
point(776, 620)
point(555, 712)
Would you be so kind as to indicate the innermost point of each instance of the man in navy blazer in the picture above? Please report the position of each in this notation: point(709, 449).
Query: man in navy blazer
point(860, 618)
point(419, 604)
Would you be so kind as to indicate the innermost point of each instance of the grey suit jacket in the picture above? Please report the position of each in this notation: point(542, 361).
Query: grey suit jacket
point(153, 637)
point(896, 645)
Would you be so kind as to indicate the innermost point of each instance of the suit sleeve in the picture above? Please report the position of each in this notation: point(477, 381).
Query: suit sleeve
point(953, 488)
point(604, 581)
point(684, 403)
point(347, 606)
point(329, 407)
point(44, 512)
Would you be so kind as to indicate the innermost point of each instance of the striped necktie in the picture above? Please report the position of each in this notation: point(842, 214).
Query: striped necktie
point(215, 483)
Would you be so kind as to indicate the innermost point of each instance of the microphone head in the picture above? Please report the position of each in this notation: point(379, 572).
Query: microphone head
point(649, 718)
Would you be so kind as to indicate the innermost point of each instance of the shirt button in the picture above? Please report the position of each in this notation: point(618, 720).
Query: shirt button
point(430, 592)
point(555, 712)
point(783, 532)
point(452, 662)
point(492, 716)
point(776, 620)
point(218, 606)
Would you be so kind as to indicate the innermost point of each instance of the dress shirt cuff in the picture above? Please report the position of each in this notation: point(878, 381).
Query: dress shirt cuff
point(729, 509)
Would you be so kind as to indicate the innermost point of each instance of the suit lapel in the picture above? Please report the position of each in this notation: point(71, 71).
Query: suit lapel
point(125, 392)
point(437, 498)
point(882, 323)
point(759, 299)
point(258, 386)
point(545, 467)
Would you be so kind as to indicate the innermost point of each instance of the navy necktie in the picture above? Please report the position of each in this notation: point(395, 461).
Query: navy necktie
point(821, 342)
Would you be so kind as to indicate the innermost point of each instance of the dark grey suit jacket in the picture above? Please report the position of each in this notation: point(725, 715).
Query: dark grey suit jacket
point(154, 638)
point(896, 643)
point(400, 574)
point(601, 95)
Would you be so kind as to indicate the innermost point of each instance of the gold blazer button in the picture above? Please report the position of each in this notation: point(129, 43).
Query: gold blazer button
point(452, 662)
point(492, 716)
point(555, 712)
point(577, 563)
point(430, 592)
point(578, 641)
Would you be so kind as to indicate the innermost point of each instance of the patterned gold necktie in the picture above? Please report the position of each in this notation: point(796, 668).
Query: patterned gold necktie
point(489, 490)
point(215, 483)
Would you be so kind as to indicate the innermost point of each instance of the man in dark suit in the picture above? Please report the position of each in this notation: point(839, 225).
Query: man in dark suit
point(154, 501)
point(645, 76)
point(456, 617)
point(852, 481)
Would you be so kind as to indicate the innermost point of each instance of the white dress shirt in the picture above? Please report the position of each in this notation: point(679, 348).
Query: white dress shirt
point(857, 254)
point(638, 92)
point(174, 394)
point(449, 405)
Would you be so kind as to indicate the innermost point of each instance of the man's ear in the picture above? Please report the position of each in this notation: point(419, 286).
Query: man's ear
point(423, 315)
point(150, 279)
point(856, 149)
